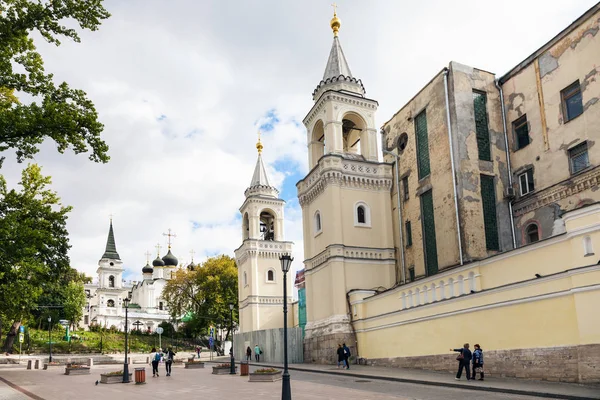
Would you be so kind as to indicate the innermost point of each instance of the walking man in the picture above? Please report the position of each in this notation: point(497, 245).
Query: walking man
point(169, 357)
point(257, 353)
point(346, 355)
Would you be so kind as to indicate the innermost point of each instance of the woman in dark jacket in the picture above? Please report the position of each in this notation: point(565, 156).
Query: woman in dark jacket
point(248, 354)
point(341, 355)
point(464, 361)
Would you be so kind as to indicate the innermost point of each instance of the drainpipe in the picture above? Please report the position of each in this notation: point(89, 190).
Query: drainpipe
point(458, 234)
point(510, 181)
point(399, 206)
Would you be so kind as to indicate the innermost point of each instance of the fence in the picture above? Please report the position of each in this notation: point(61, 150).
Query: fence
point(271, 343)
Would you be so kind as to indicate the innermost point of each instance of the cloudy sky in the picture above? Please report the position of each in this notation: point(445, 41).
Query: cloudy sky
point(183, 86)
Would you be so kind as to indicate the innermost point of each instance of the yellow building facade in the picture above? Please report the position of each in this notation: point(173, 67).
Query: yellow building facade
point(480, 225)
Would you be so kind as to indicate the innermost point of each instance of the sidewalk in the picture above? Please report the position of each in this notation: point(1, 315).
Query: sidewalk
point(514, 386)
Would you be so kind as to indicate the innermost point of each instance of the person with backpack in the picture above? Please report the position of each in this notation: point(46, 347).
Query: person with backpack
point(257, 353)
point(346, 355)
point(477, 362)
point(155, 359)
point(464, 361)
point(169, 358)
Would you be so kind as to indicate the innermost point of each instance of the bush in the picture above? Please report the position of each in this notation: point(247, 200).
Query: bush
point(266, 371)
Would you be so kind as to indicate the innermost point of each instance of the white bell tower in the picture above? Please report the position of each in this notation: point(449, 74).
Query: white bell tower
point(260, 280)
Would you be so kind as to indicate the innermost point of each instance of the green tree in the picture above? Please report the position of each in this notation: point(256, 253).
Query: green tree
point(33, 245)
point(206, 292)
point(74, 301)
point(57, 112)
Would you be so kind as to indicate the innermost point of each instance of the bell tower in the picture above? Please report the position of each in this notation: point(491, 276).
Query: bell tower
point(346, 207)
point(260, 280)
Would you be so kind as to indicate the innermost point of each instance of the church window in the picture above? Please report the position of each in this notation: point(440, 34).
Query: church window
point(110, 303)
point(422, 145)
point(318, 227)
point(481, 126)
point(408, 234)
point(246, 227)
point(406, 194)
point(160, 305)
point(111, 281)
point(362, 214)
point(532, 233)
point(488, 201)
point(429, 238)
point(267, 226)
point(270, 276)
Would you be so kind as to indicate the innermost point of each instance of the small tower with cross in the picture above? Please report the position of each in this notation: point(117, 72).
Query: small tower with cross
point(260, 284)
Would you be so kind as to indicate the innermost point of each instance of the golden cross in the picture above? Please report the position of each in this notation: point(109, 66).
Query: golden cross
point(158, 246)
point(334, 8)
point(192, 252)
point(169, 235)
point(110, 216)
point(148, 254)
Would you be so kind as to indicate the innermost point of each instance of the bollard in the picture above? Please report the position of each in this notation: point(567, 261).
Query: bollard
point(45, 366)
point(147, 360)
point(128, 360)
point(90, 362)
point(37, 364)
point(29, 362)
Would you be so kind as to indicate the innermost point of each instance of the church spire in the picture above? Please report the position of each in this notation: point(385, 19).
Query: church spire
point(111, 247)
point(260, 174)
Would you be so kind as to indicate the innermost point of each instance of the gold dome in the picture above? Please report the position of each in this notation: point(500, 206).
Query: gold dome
point(259, 145)
point(335, 24)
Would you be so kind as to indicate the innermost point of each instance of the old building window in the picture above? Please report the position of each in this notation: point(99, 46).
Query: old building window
point(111, 281)
point(422, 145)
point(408, 234)
point(411, 274)
point(160, 305)
point(405, 188)
point(521, 130)
point(270, 276)
point(588, 249)
point(402, 142)
point(571, 101)
point(86, 320)
point(245, 279)
point(526, 182)
point(318, 227)
point(532, 233)
point(578, 158)
point(488, 200)
point(110, 303)
point(429, 237)
point(362, 214)
point(481, 126)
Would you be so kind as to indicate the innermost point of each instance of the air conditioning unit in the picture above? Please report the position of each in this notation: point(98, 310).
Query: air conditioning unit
point(509, 193)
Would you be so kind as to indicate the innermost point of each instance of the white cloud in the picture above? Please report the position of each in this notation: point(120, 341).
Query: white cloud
point(180, 89)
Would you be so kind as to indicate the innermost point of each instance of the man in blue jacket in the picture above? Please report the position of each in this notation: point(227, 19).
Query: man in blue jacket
point(346, 355)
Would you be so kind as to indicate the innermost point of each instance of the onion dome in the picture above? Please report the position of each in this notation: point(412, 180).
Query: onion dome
point(147, 269)
point(170, 260)
point(191, 266)
point(158, 262)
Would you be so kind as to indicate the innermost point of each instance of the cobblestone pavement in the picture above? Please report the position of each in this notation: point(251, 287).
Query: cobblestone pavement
point(198, 383)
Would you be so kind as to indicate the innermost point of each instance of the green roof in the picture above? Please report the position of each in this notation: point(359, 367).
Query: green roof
point(111, 247)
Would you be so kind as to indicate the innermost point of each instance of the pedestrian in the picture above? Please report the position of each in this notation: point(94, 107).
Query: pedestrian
point(340, 356)
point(154, 358)
point(346, 355)
point(248, 354)
point(169, 358)
point(477, 362)
point(257, 353)
point(198, 348)
point(464, 361)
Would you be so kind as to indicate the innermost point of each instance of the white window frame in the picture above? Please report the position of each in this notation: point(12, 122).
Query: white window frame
point(578, 147)
point(523, 193)
point(274, 276)
point(367, 223)
point(318, 223)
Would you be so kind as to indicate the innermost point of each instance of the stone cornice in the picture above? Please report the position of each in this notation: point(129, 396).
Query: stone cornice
point(562, 190)
point(336, 170)
point(349, 253)
point(331, 95)
point(262, 248)
point(264, 300)
point(262, 200)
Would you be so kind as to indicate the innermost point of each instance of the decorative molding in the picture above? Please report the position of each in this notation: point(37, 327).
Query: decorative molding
point(329, 96)
point(349, 253)
point(339, 323)
point(559, 191)
point(263, 301)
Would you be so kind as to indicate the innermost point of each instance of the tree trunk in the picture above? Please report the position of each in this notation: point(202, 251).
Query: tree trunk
point(10, 337)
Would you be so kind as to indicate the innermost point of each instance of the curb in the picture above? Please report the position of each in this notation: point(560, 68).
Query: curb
point(434, 383)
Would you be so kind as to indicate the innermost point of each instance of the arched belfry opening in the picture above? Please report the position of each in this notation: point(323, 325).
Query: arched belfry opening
point(267, 225)
point(352, 128)
point(246, 227)
point(317, 143)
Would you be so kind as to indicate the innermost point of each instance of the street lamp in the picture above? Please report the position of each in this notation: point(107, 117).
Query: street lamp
point(126, 364)
point(50, 338)
point(286, 390)
point(232, 370)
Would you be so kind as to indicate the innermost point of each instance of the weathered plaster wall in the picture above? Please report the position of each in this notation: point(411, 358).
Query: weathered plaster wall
point(574, 57)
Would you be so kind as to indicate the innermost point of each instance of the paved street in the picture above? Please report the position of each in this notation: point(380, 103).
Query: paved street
point(53, 385)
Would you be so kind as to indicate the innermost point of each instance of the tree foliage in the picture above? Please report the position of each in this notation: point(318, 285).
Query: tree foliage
point(57, 112)
point(206, 293)
point(33, 244)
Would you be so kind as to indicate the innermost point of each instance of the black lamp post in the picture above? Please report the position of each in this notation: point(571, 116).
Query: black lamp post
point(286, 390)
point(232, 370)
point(50, 338)
point(126, 364)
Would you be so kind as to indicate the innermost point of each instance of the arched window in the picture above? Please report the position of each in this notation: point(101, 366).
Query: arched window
point(111, 281)
point(362, 214)
point(270, 276)
point(160, 305)
point(110, 303)
point(246, 227)
point(245, 279)
point(532, 233)
point(588, 249)
point(318, 226)
point(267, 225)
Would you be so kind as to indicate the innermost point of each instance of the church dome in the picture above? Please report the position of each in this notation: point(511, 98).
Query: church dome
point(158, 262)
point(170, 260)
point(147, 269)
point(191, 266)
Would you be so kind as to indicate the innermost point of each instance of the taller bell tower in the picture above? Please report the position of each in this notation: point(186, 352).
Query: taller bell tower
point(346, 207)
point(260, 280)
